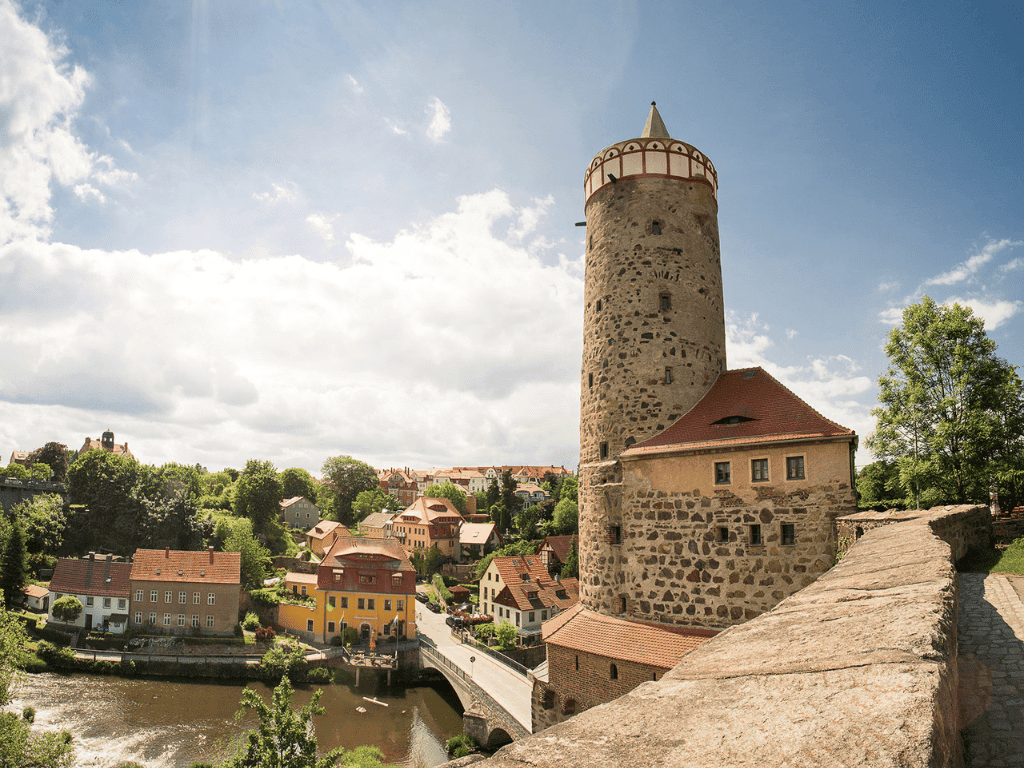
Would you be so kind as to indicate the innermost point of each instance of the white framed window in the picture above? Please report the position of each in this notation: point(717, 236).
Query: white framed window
point(167, 619)
point(139, 594)
point(168, 596)
point(153, 596)
point(195, 598)
point(795, 468)
point(138, 617)
point(183, 597)
point(195, 620)
point(88, 600)
point(211, 599)
point(309, 625)
point(209, 621)
point(759, 470)
point(181, 619)
point(121, 603)
point(106, 602)
point(152, 617)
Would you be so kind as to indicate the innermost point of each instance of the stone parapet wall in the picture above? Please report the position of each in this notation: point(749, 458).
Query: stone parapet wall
point(858, 669)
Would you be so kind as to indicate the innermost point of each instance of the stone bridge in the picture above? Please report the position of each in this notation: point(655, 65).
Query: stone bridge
point(484, 718)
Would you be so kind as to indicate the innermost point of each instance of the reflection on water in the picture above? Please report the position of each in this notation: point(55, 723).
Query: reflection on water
point(171, 724)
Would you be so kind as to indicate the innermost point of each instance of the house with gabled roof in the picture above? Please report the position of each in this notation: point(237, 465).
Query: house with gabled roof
point(322, 536)
point(477, 539)
point(101, 585)
point(180, 592)
point(518, 580)
point(554, 551)
point(299, 512)
point(429, 523)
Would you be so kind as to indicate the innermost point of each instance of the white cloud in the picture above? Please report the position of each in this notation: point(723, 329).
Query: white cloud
point(281, 193)
point(354, 84)
point(39, 97)
point(89, 192)
point(448, 344)
point(792, 333)
point(891, 316)
point(322, 224)
point(1011, 265)
point(968, 268)
point(993, 311)
point(440, 120)
point(886, 287)
point(530, 217)
point(395, 129)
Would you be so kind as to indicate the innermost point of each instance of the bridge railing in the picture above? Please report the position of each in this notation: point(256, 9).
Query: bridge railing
point(437, 656)
point(512, 664)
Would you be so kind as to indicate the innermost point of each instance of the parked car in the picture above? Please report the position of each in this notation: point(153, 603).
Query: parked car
point(422, 597)
point(433, 607)
point(454, 621)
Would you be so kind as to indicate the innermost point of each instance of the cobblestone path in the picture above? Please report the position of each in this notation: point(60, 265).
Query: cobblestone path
point(990, 629)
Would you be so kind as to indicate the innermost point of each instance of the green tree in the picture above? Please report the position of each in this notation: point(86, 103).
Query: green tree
point(106, 514)
point(949, 406)
point(44, 518)
point(255, 557)
point(296, 481)
point(40, 472)
point(285, 737)
point(56, 456)
point(448, 490)
point(258, 494)
point(346, 478)
point(506, 634)
point(569, 489)
point(19, 747)
point(427, 560)
point(374, 500)
point(878, 484)
point(493, 494)
point(566, 518)
point(571, 566)
point(13, 563)
point(67, 609)
point(16, 472)
point(526, 521)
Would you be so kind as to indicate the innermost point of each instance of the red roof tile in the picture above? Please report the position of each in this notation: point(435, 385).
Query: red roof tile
point(613, 638)
point(766, 410)
point(179, 566)
point(533, 596)
point(91, 577)
point(560, 545)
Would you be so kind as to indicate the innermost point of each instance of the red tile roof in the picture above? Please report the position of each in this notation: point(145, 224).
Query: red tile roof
point(582, 630)
point(91, 577)
point(767, 411)
point(560, 545)
point(429, 510)
point(355, 545)
point(533, 595)
point(511, 568)
point(175, 565)
point(324, 527)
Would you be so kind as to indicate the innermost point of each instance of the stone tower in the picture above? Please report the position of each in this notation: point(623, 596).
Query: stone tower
point(654, 323)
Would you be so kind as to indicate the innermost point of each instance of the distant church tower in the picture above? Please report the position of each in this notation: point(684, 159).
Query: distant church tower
point(654, 322)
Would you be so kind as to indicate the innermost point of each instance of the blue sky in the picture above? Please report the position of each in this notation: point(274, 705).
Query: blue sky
point(295, 230)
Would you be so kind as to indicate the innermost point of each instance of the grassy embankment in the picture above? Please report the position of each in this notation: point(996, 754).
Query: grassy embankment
point(1009, 560)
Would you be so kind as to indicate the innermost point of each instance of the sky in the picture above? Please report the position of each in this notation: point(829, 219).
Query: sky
point(295, 230)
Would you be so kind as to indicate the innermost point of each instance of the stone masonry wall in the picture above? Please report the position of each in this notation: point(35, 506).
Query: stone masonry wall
point(673, 565)
point(857, 669)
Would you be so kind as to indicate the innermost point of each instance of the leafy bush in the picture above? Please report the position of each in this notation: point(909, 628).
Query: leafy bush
point(442, 590)
point(281, 661)
point(351, 635)
point(28, 714)
point(319, 675)
point(337, 640)
point(251, 621)
point(265, 634)
point(33, 664)
point(506, 635)
point(268, 597)
point(238, 630)
point(460, 745)
point(485, 631)
point(58, 658)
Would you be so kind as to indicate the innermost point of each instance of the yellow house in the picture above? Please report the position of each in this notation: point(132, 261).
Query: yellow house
point(429, 523)
point(366, 584)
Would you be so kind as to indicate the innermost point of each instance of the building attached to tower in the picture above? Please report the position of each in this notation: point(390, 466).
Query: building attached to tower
point(707, 496)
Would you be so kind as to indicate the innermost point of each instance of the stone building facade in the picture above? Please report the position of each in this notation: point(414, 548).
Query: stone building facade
point(706, 496)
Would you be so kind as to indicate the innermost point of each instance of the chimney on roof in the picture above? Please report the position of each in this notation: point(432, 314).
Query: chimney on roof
point(92, 555)
point(110, 557)
point(211, 554)
point(167, 552)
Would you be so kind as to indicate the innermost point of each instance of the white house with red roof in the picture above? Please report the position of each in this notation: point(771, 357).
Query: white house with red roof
point(101, 584)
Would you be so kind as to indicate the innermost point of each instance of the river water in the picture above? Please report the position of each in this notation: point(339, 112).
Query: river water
point(171, 723)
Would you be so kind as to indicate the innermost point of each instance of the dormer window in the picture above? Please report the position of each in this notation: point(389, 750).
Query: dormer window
point(730, 420)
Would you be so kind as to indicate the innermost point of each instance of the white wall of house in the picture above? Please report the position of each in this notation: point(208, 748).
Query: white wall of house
point(98, 608)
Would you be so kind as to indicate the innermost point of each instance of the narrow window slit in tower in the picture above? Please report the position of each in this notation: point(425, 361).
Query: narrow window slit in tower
point(590, 381)
point(655, 227)
point(614, 534)
point(668, 375)
point(598, 305)
point(665, 302)
point(604, 450)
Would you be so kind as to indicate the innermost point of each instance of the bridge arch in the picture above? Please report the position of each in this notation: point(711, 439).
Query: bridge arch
point(497, 737)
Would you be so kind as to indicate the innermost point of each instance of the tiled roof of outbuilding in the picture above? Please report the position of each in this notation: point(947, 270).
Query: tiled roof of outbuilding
point(765, 411)
point(560, 545)
point(91, 577)
point(613, 638)
point(179, 566)
point(533, 595)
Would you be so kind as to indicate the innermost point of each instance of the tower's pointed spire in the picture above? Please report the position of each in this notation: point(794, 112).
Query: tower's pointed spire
point(655, 127)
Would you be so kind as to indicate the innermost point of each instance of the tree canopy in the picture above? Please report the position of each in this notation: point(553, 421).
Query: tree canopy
point(448, 490)
point(56, 456)
point(258, 494)
point(296, 481)
point(255, 557)
point(345, 478)
point(951, 412)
